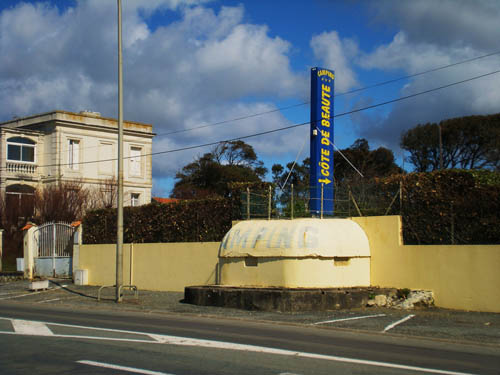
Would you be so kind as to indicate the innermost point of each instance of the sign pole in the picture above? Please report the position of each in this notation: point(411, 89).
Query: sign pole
point(321, 134)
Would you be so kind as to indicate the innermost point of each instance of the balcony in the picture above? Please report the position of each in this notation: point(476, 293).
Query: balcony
point(20, 168)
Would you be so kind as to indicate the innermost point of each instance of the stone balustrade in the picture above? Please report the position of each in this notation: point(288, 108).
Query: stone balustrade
point(21, 168)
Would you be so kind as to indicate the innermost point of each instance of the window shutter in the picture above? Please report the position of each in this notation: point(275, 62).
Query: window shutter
point(135, 161)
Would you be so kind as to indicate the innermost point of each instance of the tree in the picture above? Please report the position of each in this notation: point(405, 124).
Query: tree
point(65, 201)
point(104, 195)
point(371, 163)
point(471, 142)
point(210, 174)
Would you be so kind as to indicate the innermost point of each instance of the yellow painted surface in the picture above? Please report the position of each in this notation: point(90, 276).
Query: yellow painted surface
point(296, 272)
point(295, 238)
point(163, 266)
point(461, 277)
point(295, 253)
point(464, 277)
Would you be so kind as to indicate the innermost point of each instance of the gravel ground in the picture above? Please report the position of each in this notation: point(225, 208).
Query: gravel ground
point(453, 325)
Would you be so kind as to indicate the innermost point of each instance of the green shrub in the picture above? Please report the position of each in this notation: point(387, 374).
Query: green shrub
point(185, 221)
point(449, 206)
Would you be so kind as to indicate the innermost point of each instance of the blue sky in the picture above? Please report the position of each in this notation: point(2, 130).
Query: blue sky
point(197, 62)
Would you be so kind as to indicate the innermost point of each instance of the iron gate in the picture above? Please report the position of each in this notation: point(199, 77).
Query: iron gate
point(54, 250)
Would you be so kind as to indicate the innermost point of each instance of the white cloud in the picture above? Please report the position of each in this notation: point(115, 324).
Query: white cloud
point(204, 67)
point(432, 35)
point(444, 23)
point(336, 54)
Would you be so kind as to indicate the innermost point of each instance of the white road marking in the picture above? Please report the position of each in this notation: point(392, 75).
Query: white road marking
point(391, 326)
point(185, 341)
point(49, 300)
point(353, 318)
point(30, 294)
point(26, 327)
point(20, 295)
point(57, 299)
point(122, 368)
point(7, 293)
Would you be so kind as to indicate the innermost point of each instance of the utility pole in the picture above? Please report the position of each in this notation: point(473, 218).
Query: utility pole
point(119, 229)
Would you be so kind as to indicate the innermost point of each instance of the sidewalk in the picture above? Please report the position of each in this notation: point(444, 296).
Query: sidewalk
point(432, 322)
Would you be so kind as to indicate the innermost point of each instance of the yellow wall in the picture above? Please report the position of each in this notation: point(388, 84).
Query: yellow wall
point(296, 272)
point(162, 266)
point(464, 277)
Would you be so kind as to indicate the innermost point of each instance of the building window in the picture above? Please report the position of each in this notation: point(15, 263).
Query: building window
point(135, 199)
point(107, 158)
point(20, 149)
point(135, 161)
point(73, 154)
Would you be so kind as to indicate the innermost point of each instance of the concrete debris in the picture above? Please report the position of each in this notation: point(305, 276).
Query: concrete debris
point(381, 300)
point(415, 298)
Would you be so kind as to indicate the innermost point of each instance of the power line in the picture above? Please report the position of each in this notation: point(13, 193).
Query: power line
point(287, 127)
point(308, 102)
point(335, 96)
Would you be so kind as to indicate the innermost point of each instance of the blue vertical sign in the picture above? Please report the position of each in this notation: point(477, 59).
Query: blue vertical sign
point(321, 133)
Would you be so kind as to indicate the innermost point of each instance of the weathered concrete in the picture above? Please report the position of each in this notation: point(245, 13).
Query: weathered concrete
point(7, 277)
point(281, 299)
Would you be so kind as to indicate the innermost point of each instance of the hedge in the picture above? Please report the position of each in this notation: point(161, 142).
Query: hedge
point(449, 206)
point(185, 221)
point(442, 207)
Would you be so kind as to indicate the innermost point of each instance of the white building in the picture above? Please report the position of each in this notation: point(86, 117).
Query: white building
point(45, 149)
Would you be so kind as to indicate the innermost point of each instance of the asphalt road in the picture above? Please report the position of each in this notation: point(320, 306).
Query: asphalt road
point(83, 341)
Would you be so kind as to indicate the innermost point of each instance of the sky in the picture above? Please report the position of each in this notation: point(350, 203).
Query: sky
point(207, 64)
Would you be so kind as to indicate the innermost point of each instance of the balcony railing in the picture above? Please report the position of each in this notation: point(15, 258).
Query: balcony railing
point(21, 168)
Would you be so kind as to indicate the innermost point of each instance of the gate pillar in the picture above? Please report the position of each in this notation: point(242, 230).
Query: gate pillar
point(29, 245)
point(77, 241)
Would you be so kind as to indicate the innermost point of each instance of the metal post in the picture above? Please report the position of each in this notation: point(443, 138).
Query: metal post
point(440, 148)
point(54, 249)
point(1, 246)
point(131, 277)
point(452, 225)
point(291, 203)
point(248, 203)
point(119, 230)
point(349, 200)
point(322, 192)
point(401, 197)
point(269, 204)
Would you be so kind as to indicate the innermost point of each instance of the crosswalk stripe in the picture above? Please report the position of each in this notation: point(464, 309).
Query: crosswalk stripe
point(25, 327)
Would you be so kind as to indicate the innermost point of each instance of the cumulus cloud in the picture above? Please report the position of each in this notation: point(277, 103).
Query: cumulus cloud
point(336, 53)
point(432, 35)
point(203, 67)
point(445, 22)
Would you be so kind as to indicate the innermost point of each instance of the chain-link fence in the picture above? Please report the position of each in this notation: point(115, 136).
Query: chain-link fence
point(428, 217)
point(337, 201)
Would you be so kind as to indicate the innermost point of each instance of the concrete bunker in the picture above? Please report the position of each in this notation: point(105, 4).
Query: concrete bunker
point(301, 253)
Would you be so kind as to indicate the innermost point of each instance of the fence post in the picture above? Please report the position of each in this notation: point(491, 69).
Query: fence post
point(349, 200)
point(291, 207)
point(452, 225)
point(54, 238)
point(248, 203)
point(401, 197)
point(322, 188)
point(269, 204)
point(355, 204)
point(1, 248)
